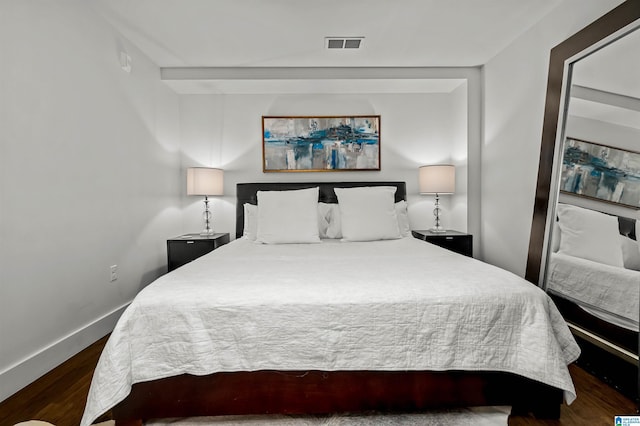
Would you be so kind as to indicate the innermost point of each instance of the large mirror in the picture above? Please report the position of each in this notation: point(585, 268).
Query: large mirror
point(584, 246)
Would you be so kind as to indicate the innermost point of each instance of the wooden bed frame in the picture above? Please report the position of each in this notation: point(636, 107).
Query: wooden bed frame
point(325, 392)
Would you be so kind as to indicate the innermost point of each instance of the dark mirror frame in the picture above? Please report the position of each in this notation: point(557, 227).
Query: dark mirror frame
point(615, 20)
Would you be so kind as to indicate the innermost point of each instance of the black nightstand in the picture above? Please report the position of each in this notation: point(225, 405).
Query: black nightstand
point(459, 242)
point(185, 248)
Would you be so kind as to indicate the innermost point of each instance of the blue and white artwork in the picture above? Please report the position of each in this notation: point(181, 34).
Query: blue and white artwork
point(601, 172)
point(314, 144)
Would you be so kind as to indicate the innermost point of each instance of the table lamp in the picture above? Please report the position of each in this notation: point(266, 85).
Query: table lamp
point(205, 181)
point(438, 180)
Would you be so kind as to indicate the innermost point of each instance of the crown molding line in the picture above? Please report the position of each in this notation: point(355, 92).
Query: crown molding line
point(314, 73)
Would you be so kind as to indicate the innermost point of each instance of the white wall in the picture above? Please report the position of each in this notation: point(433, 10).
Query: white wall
point(515, 87)
point(416, 129)
point(89, 177)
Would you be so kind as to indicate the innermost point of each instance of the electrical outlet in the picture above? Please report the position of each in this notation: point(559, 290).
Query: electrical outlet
point(113, 269)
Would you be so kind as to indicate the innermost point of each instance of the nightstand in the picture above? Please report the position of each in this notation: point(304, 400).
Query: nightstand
point(459, 242)
point(185, 248)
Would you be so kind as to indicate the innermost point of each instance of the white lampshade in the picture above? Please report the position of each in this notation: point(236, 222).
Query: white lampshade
point(437, 179)
point(205, 181)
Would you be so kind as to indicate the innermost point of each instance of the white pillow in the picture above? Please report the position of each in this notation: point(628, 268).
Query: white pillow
point(328, 221)
point(335, 226)
point(403, 218)
point(590, 235)
point(329, 224)
point(250, 221)
point(324, 218)
point(368, 213)
point(288, 216)
point(630, 253)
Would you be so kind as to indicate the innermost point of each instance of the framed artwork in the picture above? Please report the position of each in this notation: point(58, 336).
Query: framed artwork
point(601, 172)
point(321, 144)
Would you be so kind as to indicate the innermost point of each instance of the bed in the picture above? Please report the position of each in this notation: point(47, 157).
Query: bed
point(390, 325)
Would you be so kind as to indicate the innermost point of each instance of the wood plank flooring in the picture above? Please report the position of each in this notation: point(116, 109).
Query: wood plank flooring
point(59, 397)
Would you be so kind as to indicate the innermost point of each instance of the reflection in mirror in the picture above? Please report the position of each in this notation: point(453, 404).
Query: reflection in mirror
point(592, 268)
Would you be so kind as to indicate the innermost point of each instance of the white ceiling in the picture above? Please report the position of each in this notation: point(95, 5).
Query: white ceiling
point(291, 33)
point(285, 33)
point(278, 34)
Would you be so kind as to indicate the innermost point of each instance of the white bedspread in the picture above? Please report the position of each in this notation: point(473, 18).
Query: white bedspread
point(386, 305)
point(601, 288)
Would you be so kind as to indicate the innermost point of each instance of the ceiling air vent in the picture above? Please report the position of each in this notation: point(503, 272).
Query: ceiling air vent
point(343, 42)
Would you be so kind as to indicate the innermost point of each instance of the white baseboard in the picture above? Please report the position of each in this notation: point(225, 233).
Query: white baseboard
point(36, 365)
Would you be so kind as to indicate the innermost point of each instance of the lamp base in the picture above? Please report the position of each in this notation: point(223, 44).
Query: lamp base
point(437, 230)
point(207, 219)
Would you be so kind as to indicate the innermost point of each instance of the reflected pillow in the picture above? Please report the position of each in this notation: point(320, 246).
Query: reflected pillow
point(368, 213)
point(630, 253)
point(288, 216)
point(589, 234)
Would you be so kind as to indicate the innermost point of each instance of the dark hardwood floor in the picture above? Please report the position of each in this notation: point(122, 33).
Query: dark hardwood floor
point(59, 396)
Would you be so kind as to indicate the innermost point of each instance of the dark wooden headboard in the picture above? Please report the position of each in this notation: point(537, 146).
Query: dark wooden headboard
point(247, 193)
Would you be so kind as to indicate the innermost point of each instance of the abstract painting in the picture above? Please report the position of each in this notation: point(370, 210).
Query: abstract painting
point(321, 144)
point(601, 172)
